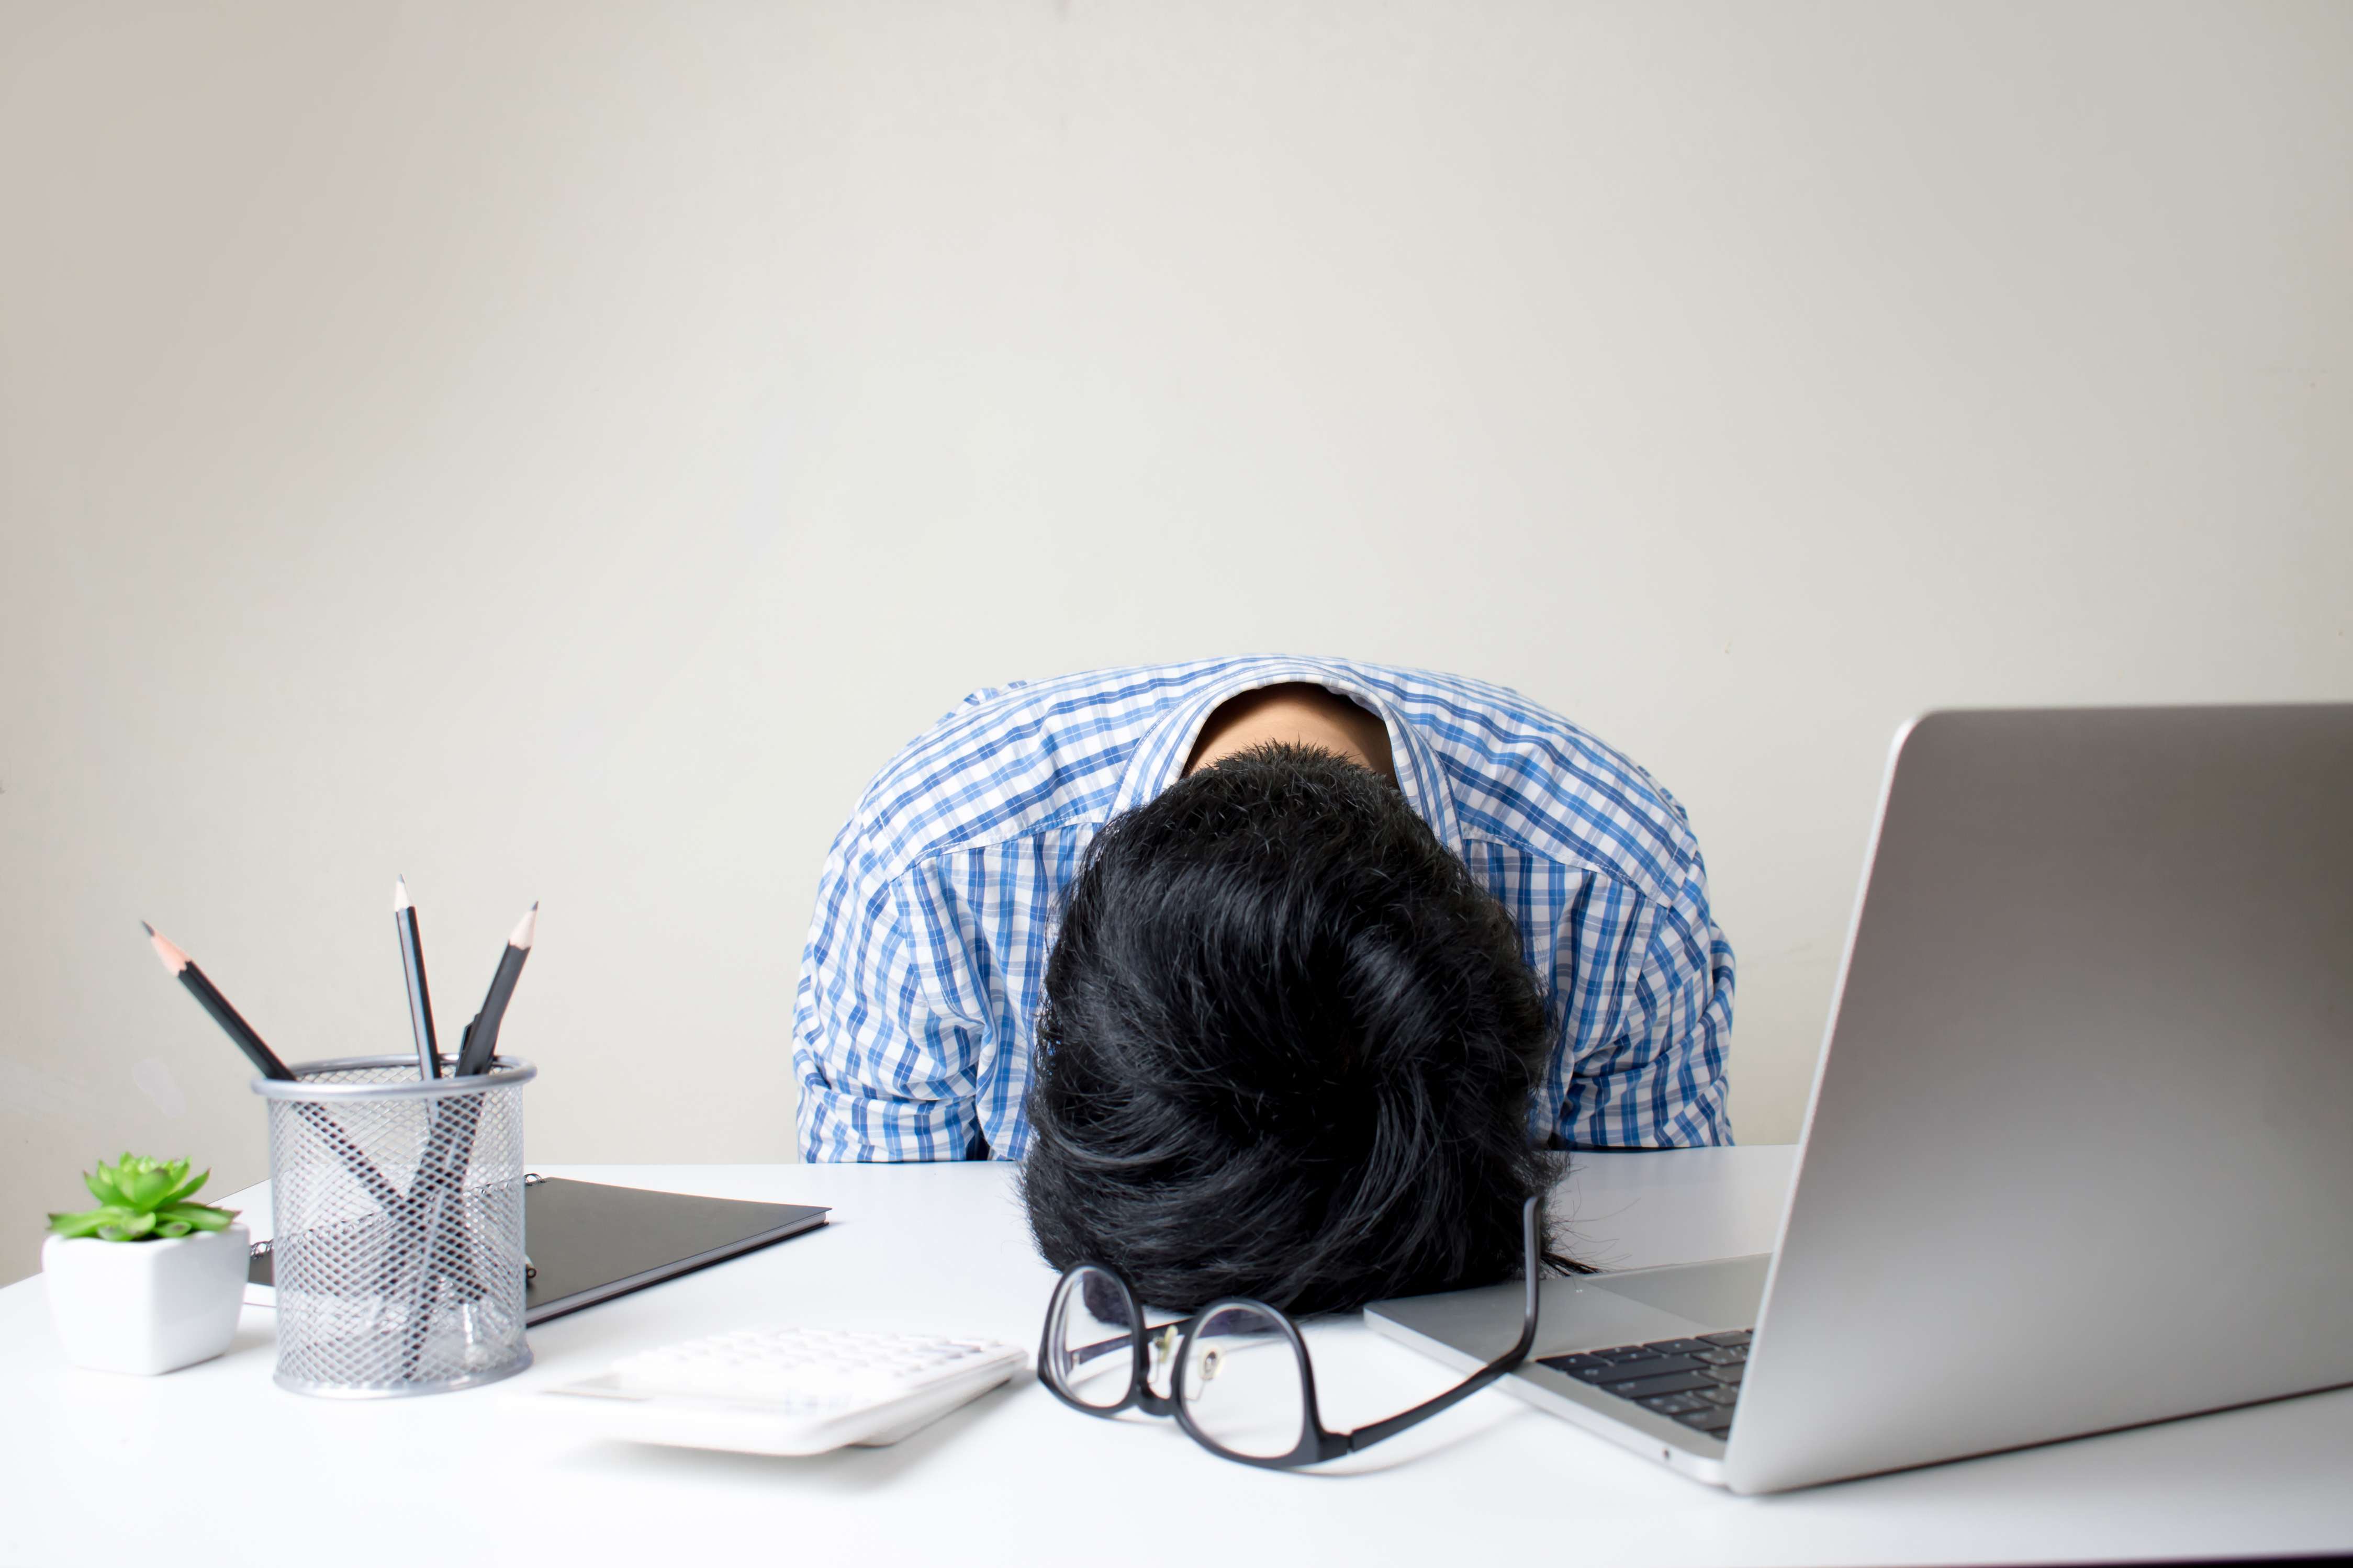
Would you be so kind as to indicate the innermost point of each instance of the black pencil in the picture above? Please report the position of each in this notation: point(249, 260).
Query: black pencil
point(442, 1171)
point(482, 1034)
point(183, 968)
point(420, 999)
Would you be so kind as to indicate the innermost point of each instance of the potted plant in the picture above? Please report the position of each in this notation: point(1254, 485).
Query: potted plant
point(146, 1282)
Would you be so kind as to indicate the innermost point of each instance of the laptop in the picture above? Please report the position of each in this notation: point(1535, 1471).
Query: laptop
point(2080, 1150)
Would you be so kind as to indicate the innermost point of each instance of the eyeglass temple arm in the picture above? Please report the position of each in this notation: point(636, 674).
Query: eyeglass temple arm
point(1365, 1437)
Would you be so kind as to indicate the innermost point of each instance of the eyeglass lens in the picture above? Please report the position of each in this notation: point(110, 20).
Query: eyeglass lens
point(1243, 1385)
point(1091, 1350)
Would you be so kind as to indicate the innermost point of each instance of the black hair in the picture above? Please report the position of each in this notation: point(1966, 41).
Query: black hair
point(1286, 1049)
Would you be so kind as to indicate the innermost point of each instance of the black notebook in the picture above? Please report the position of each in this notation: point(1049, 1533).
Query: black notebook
point(589, 1242)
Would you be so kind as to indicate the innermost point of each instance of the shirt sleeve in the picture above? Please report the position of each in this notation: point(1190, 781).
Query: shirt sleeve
point(885, 1044)
point(1650, 1071)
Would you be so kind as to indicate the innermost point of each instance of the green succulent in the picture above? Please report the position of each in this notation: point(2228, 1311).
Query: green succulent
point(142, 1199)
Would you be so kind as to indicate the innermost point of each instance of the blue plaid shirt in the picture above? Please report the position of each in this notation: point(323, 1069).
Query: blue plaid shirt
point(920, 985)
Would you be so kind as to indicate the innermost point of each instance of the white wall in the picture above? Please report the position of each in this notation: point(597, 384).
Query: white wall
point(557, 449)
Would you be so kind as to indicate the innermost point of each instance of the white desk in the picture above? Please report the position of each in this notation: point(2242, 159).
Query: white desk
point(1017, 1476)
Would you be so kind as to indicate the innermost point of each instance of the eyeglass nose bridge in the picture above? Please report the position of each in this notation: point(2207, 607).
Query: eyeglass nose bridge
point(1160, 1366)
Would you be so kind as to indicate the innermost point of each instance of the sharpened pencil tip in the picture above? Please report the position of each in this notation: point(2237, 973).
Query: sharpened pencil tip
point(174, 959)
point(399, 894)
point(145, 927)
point(524, 928)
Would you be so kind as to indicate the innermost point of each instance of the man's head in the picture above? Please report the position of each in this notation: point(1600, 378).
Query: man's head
point(1286, 1048)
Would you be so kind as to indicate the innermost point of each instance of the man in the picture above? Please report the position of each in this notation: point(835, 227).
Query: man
point(1284, 975)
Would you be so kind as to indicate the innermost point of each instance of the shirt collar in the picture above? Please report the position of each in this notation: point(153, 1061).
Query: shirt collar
point(1159, 759)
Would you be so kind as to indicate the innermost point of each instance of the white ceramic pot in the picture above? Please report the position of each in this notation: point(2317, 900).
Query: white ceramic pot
point(145, 1306)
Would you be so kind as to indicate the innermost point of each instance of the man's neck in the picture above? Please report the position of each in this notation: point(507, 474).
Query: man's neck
point(1298, 714)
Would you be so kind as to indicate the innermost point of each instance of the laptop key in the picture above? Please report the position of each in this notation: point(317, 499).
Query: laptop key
point(1678, 1404)
point(1719, 1394)
point(1592, 1368)
point(1731, 1338)
point(1643, 1387)
point(1729, 1375)
point(1678, 1347)
point(1715, 1421)
point(1733, 1357)
point(1657, 1366)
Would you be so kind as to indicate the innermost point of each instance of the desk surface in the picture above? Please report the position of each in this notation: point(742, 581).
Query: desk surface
point(943, 1247)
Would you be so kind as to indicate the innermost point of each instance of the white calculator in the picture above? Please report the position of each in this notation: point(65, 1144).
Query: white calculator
point(778, 1390)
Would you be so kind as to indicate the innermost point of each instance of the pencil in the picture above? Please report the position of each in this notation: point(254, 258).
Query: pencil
point(420, 999)
point(482, 1034)
point(454, 1127)
point(183, 968)
point(441, 1173)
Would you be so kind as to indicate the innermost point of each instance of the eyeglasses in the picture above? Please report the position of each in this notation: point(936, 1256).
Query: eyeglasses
point(1235, 1374)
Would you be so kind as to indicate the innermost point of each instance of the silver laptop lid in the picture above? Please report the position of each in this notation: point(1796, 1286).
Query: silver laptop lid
point(2080, 1153)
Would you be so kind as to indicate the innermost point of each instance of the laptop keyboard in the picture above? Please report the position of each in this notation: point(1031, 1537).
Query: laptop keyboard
point(1696, 1381)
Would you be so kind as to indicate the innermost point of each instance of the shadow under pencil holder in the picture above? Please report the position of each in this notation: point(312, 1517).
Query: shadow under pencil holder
point(398, 1211)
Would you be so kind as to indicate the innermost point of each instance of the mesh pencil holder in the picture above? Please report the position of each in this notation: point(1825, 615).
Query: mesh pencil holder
point(397, 1202)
